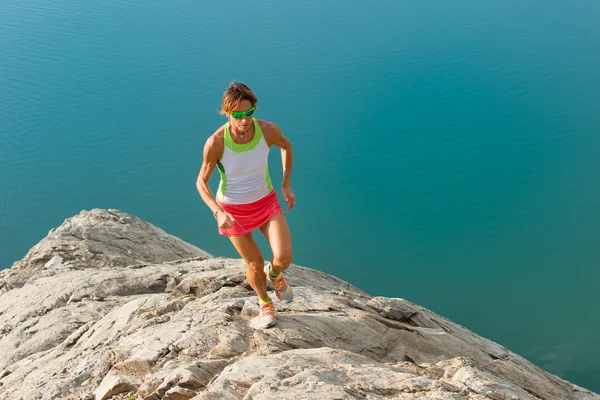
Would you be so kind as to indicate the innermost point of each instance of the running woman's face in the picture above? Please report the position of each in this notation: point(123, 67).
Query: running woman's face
point(243, 124)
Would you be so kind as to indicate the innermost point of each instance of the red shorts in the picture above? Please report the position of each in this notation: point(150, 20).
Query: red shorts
point(251, 216)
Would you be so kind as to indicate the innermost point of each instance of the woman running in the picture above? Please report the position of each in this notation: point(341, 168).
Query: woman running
point(246, 199)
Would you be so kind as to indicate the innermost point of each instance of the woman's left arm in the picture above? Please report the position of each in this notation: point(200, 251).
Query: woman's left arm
point(274, 136)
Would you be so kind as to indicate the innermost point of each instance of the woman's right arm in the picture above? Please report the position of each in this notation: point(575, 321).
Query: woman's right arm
point(211, 153)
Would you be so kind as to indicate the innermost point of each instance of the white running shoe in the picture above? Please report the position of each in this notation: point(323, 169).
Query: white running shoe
point(283, 290)
point(266, 317)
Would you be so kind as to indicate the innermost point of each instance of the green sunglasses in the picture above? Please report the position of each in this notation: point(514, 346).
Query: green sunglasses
point(240, 114)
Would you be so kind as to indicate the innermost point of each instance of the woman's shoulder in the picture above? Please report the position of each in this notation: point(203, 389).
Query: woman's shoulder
point(217, 135)
point(267, 127)
point(215, 142)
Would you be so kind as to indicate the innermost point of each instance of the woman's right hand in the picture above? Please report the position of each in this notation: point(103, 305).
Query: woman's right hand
point(224, 219)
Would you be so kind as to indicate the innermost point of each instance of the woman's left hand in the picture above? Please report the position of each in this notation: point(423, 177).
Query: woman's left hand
point(288, 196)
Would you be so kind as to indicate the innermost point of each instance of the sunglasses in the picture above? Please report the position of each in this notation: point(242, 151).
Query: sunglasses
point(240, 114)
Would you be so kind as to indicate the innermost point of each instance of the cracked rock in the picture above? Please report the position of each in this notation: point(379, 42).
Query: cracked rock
point(123, 308)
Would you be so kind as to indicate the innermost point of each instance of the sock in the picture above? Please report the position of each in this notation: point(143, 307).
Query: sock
point(272, 273)
point(265, 301)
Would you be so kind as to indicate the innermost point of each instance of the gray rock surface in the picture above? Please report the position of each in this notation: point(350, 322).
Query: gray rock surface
point(97, 238)
point(109, 306)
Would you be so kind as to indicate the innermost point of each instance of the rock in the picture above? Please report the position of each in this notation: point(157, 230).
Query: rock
point(322, 373)
point(98, 238)
point(112, 384)
point(489, 385)
point(107, 306)
point(179, 393)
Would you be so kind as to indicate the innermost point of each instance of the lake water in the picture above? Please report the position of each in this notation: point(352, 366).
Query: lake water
point(445, 152)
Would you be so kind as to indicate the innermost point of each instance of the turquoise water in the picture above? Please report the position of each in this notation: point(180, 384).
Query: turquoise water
point(445, 152)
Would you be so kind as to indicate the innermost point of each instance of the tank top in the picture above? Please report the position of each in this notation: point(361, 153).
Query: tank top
point(244, 169)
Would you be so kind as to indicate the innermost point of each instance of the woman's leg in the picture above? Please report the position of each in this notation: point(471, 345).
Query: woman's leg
point(246, 246)
point(278, 234)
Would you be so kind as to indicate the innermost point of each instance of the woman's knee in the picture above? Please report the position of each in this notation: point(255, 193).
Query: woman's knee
point(283, 258)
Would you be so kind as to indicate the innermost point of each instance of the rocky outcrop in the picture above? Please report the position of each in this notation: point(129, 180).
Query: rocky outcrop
point(109, 305)
point(99, 238)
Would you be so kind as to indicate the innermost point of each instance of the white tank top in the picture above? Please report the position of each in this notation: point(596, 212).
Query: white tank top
point(244, 169)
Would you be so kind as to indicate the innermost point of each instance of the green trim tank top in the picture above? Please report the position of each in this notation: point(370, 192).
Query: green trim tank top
point(244, 169)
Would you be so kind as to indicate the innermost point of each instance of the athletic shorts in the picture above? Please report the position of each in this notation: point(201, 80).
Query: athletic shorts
point(249, 217)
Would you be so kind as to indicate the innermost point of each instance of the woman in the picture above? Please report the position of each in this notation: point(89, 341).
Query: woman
point(246, 200)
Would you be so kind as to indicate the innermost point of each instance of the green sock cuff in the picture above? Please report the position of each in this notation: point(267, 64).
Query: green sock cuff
point(265, 301)
point(273, 274)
